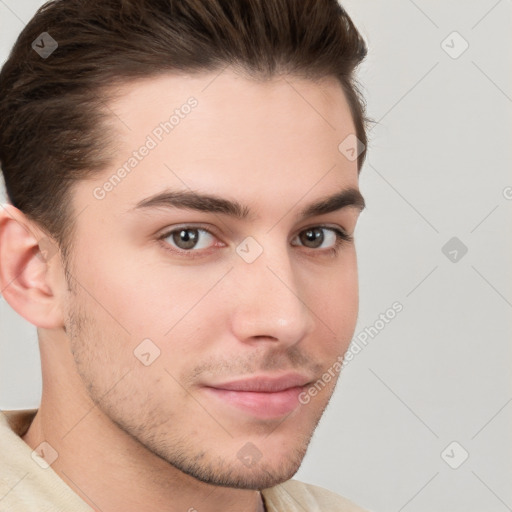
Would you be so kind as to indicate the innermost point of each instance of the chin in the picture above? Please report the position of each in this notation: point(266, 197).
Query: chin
point(243, 468)
point(260, 476)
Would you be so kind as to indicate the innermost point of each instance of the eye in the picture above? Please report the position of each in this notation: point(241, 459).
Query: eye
point(193, 239)
point(314, 238)
point(187, 238)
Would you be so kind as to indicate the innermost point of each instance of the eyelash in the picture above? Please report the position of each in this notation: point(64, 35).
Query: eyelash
point(342, 238)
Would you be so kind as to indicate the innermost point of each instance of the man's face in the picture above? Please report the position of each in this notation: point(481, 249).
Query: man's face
point(161, 325)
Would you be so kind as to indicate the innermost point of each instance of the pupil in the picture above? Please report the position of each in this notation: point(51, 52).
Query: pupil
point(186, 240)
point(314, 235)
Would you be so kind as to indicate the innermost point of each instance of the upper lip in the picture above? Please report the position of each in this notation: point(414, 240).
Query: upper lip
point(264, 384)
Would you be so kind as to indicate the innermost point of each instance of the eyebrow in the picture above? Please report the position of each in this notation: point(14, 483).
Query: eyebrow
point(191, 200)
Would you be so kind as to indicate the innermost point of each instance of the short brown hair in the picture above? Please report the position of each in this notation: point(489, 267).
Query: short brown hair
point(52, 110)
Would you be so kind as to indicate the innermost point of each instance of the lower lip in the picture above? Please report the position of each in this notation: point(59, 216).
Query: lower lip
point(263, 405)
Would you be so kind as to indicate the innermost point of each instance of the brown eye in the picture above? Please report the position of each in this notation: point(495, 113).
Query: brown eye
point(312, 238)
point(315, 237)
point(188, 238)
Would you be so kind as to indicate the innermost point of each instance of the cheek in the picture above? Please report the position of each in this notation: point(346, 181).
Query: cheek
point(334, 299)
point(132, 300)
point(159, 314)
point(348, 301)
point(118, 368)
point(144, 298)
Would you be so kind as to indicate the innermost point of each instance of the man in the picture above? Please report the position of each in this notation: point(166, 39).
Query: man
point(182, 179)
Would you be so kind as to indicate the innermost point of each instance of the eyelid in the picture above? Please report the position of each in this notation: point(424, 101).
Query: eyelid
point(342, 236)
point(192, 252)
point(171, 229)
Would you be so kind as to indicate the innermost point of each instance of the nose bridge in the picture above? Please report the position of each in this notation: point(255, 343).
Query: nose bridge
point(269, 300)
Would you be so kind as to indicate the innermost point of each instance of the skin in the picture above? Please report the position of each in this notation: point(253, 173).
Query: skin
point(132, 437)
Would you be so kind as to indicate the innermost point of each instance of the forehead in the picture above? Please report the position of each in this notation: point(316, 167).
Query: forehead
point(221, 131)
point(162, 91)
point(252, 112)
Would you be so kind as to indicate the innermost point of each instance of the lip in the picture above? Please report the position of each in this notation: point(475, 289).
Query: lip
point(265, 384)
point(262, 396)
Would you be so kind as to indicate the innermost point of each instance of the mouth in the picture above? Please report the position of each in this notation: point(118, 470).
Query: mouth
point(265, 397)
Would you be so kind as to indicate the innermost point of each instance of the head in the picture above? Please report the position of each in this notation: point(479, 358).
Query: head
point(171, 169)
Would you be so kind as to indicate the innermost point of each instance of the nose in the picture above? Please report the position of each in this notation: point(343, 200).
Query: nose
point(268, 301)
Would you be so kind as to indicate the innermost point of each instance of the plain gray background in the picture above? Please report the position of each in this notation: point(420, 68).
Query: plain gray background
point(432, 386)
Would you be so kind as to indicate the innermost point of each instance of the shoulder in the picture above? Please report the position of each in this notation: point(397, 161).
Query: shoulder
point(27, 484)
point(294, 495)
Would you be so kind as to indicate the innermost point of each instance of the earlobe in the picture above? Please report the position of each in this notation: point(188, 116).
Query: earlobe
point(27, 255)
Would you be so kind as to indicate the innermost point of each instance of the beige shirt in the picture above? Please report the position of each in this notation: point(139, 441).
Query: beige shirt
point(27, 486)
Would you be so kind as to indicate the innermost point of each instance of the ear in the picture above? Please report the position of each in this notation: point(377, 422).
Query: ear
point(28, 269)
